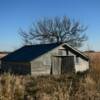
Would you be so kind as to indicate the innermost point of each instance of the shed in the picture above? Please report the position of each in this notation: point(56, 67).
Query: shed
point(43, 59)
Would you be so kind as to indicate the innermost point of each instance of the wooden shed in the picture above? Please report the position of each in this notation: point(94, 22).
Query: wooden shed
point(43, 59)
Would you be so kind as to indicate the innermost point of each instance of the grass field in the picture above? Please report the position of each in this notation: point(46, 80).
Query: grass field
point(94, 64)
point(64, 87)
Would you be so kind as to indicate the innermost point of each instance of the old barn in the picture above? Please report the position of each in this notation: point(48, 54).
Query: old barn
point(45, 59)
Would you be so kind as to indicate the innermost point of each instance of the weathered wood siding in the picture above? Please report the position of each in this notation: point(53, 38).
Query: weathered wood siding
point(42, 64)
point(39, 66)
point(16, 67)
point(67, 64)
point(82, 66)
point(62, 64)
point(56, 65)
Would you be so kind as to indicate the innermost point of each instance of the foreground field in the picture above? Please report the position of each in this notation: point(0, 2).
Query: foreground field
point(65, 87)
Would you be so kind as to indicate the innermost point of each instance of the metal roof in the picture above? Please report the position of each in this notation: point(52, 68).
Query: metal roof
point(31, 52)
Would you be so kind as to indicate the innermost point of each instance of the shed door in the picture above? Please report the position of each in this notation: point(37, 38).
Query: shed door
point(62, 64)
point(67, 64)
point(56, 65)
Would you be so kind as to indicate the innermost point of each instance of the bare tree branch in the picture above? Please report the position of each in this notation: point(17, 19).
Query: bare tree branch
point(54, 30)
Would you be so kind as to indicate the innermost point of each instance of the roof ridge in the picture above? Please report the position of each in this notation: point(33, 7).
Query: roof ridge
point(41, 44)
point(24, 53)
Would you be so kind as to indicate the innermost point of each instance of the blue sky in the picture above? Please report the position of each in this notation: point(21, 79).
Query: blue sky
point(16, 14)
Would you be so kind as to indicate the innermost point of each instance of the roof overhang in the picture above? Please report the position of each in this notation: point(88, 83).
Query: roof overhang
point(75, 51)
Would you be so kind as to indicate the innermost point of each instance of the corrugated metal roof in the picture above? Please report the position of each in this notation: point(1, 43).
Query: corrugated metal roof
point(30, 52)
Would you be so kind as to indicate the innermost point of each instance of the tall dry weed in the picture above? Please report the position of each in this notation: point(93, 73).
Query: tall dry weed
point(63, 87)
point(11, 87)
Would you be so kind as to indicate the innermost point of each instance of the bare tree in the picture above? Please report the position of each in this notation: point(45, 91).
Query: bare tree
point(52, 30)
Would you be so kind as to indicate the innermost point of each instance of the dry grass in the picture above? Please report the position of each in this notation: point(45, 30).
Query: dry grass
point(95, 61)
point(94, 65)
point(63, 87)
point(11, 87)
